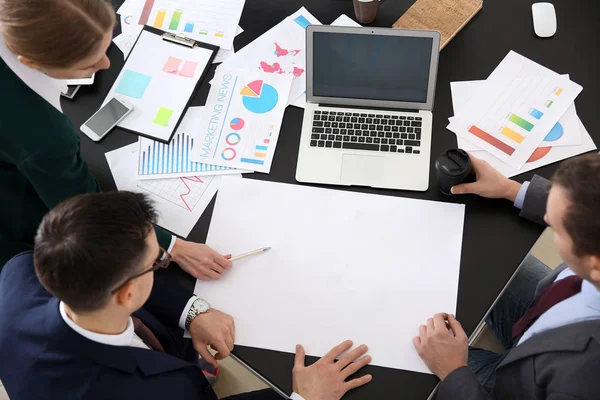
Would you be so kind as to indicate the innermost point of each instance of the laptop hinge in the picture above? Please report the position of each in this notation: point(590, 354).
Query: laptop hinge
point(367, 108)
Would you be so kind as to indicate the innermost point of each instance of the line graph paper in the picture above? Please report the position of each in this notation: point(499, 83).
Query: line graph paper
point(185, 193)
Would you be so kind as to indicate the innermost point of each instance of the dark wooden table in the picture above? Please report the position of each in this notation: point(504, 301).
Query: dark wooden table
point(495, 239)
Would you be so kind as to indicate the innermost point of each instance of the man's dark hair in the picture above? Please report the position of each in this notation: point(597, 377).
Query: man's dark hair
point(580, 179)
point(89, 244)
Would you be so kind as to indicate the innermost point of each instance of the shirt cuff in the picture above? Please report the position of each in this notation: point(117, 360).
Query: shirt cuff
point(171, 245)
point(521, 195)
point(296, 396)
point(185, 312)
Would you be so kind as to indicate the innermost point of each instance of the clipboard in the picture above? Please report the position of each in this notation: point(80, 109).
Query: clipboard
point(160, 77)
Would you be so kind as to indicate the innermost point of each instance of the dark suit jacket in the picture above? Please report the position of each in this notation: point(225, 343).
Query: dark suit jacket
point(559, 364)
point(43, 358)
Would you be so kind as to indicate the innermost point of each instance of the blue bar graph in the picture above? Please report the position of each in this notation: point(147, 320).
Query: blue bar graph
point(252, 161)
point(189, 27)
point(535, 113)
point(156, 158)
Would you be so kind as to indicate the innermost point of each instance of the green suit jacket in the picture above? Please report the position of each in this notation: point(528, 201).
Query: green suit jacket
point(40, 164)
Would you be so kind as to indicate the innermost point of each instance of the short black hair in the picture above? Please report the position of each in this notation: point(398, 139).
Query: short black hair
point(579, 178)
point(89, 244)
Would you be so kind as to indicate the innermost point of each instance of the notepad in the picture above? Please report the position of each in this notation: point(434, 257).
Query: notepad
point(446, 16)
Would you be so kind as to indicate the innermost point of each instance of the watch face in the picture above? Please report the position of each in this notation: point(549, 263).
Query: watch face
point(201, 305)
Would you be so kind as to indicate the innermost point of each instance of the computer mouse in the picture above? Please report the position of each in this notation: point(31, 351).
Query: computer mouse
point(544, 19)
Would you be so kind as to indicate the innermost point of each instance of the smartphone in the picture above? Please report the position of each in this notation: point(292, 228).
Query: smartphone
point(82, 81)
point(106, 118)
point(71, 92)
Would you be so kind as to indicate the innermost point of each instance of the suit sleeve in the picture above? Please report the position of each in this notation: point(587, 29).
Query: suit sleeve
point(167, 300)
point(534, 206)
point(462, 384)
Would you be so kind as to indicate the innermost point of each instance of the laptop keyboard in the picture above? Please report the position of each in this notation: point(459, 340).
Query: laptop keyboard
point(364, 131)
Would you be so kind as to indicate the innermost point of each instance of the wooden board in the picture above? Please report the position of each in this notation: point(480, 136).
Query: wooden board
point(446, 16)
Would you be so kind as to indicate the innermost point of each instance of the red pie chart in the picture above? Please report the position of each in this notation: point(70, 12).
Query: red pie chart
point(539, 153)
point(237, 124)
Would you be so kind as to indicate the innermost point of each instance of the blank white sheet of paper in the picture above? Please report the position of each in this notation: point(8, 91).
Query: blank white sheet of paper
point(342, 265)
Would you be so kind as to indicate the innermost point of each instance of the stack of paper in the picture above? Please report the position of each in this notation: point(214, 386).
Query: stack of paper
point(521, 118)
point(238, 129)
point(181, 189)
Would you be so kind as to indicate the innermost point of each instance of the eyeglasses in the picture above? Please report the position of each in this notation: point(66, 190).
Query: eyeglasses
point(161, 262)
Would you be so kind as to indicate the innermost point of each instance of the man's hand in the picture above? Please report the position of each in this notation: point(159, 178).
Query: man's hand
point(199, 260)
point(215, 329)
point(326, 379)
point(490, 183)
point(443, 351)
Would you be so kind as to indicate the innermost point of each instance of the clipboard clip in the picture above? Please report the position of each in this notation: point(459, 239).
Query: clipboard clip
point(179, 39)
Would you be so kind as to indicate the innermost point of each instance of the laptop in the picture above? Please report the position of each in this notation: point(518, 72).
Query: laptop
point(368, 117)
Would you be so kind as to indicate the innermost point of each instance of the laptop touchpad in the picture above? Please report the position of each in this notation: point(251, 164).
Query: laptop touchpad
point(362, 170)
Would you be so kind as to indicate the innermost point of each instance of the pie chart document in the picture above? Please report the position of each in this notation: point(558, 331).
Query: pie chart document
point(342, 265)
point(242, 118)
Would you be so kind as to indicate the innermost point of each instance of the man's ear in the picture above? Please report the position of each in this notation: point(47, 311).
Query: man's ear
point(592, 264)
point(125, 296)
point(28, 62)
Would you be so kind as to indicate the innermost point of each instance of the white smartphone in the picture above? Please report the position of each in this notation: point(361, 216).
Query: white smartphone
point(82, 81)
point(106, 118)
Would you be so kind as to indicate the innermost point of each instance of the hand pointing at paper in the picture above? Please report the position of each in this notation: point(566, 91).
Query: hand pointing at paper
point(199, 260)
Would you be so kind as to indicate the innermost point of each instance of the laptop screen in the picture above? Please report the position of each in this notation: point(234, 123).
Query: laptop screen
point(372, 67)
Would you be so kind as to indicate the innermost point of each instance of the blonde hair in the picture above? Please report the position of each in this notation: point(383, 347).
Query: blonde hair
point(55, 33)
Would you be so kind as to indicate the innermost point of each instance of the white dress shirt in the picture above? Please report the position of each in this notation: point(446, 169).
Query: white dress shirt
point(48, 88)
point(583, 306)
point(127, 338)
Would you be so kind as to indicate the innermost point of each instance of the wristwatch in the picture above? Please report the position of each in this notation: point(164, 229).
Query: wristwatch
point(198, 307)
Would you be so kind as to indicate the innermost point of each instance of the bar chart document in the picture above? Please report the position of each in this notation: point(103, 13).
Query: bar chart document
point(569, 128)
point(180, 202)
point(158, 160)
point(210, 21)
point(515, 109)
point(342, 265)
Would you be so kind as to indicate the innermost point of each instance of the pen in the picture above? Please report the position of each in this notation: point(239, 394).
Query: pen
point(250, 253)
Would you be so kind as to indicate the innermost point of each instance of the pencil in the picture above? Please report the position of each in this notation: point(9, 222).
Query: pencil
point(248, 254)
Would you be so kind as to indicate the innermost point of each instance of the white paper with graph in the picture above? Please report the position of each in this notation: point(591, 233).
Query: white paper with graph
point(342, 265)
point(279, 51)
point(159, 160)
point(210, 21)
point(180, 201)
point(515, 109)
point(242, 119)
point(569, 127)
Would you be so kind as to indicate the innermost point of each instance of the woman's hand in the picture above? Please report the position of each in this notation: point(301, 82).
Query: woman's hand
point(199, 260)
